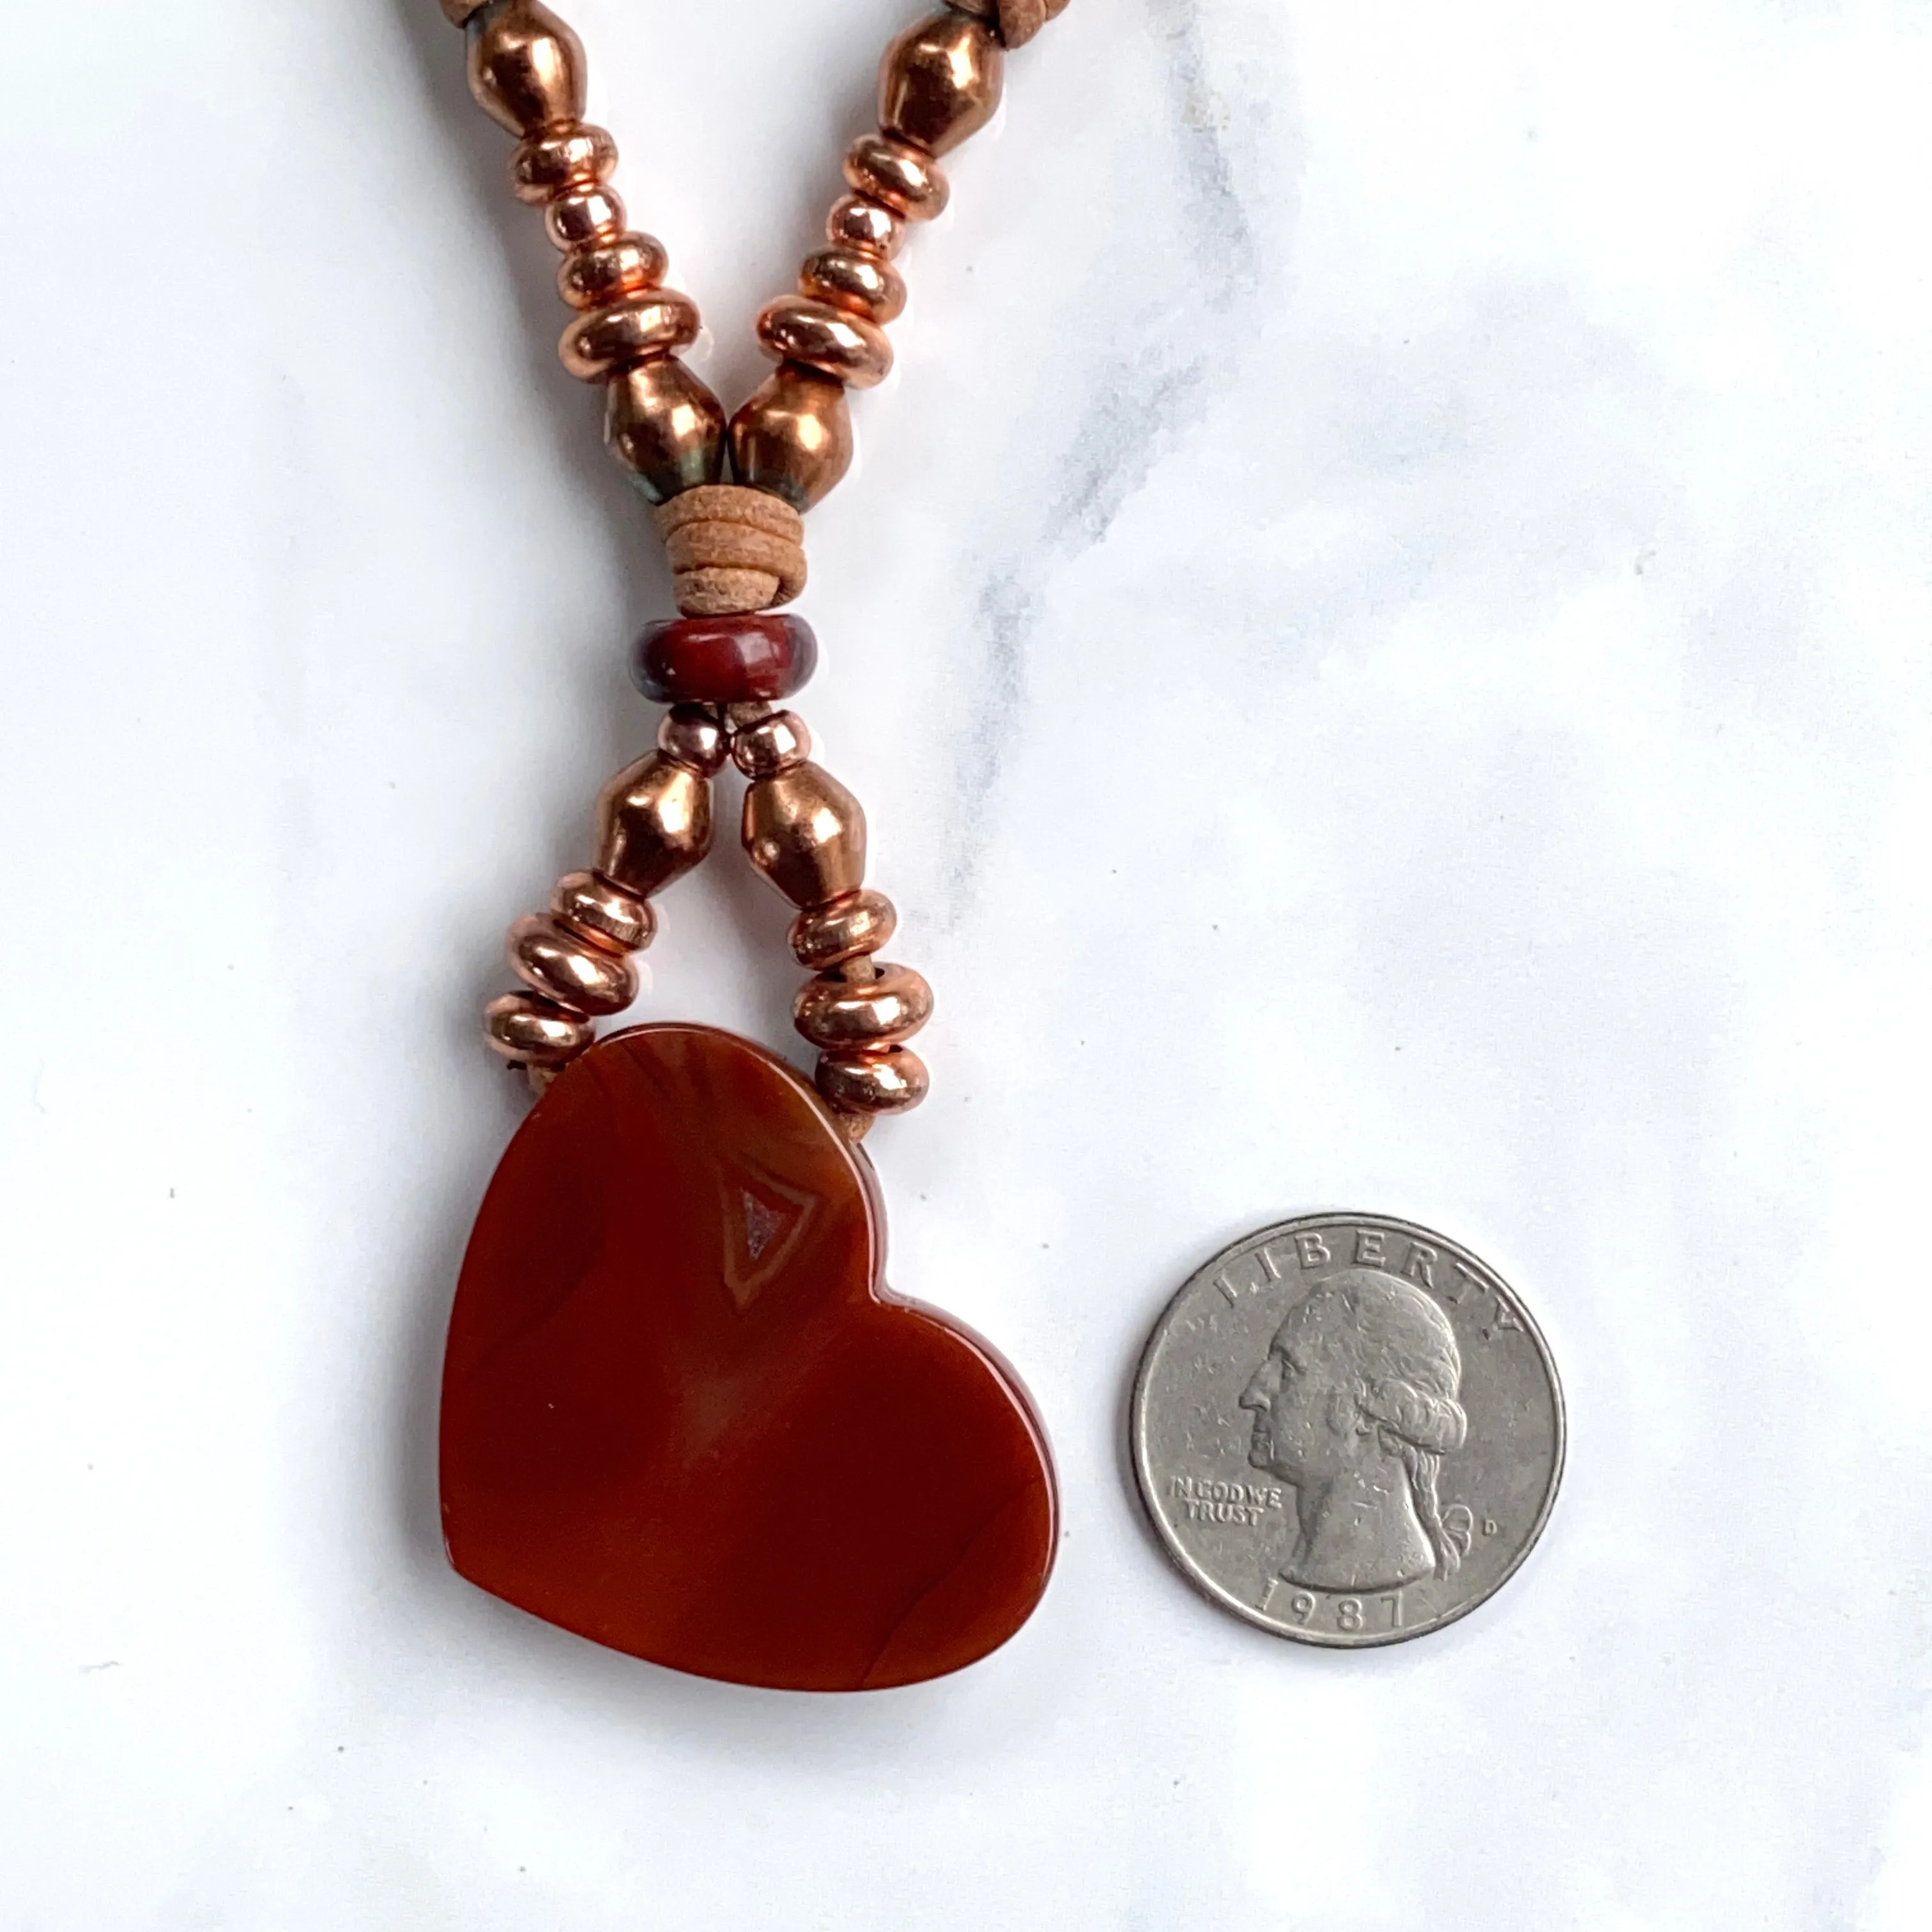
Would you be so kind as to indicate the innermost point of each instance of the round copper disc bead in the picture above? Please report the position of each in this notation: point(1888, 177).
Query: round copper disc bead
point(906, 178)
point(885, 1082)
point(762, 654)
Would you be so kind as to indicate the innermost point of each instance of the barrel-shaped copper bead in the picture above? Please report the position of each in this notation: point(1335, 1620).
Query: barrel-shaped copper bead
point(662, 422)
point(826, 936)
point(806, 833)
point(526, 66)
point(887, 1010)
point(573, 971)
point(546, 164)
point(856, 222)
point(770, 744)
point(853, 279)
point(532, 1031)
point(608, 267)
point(795, 329)
point(584, 215)
point(694, 735)
point(631, 330)
point(906, 178)
point(939, 81)
point(885, 1082)
point(604, 914)
point(792, 436)
point(653, 824)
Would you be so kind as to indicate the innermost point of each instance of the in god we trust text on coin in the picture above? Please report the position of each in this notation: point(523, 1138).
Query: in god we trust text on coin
point(1347, 1429)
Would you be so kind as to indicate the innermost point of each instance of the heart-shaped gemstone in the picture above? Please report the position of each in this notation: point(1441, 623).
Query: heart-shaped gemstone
point(683, 1416)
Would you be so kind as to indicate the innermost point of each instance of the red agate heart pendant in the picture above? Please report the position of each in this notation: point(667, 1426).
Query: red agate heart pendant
point(681, 1415)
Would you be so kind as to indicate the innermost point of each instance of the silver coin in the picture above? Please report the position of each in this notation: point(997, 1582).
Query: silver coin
point(1347, 1430)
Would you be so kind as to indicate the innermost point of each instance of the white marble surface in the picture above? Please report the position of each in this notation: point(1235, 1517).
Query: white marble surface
point(1383, 631)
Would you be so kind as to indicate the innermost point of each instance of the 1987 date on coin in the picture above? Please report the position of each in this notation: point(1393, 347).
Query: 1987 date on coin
point(1347, 1429)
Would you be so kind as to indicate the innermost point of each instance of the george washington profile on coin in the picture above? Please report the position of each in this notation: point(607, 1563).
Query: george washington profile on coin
point(1356, 1405)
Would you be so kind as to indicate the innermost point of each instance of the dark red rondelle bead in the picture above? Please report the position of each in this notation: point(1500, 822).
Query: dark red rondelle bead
point(724, 660)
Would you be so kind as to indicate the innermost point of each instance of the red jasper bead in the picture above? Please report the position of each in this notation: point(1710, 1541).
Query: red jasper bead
point(724, 660)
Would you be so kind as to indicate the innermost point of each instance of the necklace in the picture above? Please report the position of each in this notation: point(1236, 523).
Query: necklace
point(682, 1414)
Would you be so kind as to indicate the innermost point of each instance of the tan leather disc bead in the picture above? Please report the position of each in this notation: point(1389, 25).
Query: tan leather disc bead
point(823, 937)
point(732, 550)
point(887, 1010)
point(806, 833)
point(792, 436)
point(864, 1084)
point(546, 164)
point(630, 331)
point(862, 284)
point(528, 1031)
point(662, 421)
point(1016, 21)
point(526, 66)
point(795, 329)
point(604, 914)
point(576, 973)
point(907, 179)
point(939, 81)
point(653, 824)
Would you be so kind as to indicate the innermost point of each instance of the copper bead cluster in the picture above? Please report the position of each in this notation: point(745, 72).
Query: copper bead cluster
point(939, 82)
point(736, 548)
point(527, 70)
point(806, 833)
point(653, 825)
point(802, 829)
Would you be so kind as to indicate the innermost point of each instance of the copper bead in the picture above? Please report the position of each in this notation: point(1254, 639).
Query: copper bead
point(653, 824)
point(526, 67)
point(874, 1083)
point(545, 164)
point(535, 1032)
point(848, 928)
point(664, 425)
point(838, 1014)
point(793, 436)
point(939, 81)
point(576, 973)
point(693, 735)
point(576, 217)
point(795, 329)
point(608, 267)
point(806, 833)
point(857, 223)
point(775, 743)
point(631, 330)
point(854, 280)
point(906, 178)
point(606, 915)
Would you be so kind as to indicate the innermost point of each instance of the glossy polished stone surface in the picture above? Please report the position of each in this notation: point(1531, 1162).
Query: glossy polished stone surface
point(761, 654)
point(681, 1415)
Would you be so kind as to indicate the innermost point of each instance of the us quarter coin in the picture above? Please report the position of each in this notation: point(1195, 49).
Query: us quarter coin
point(1347, 1430)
